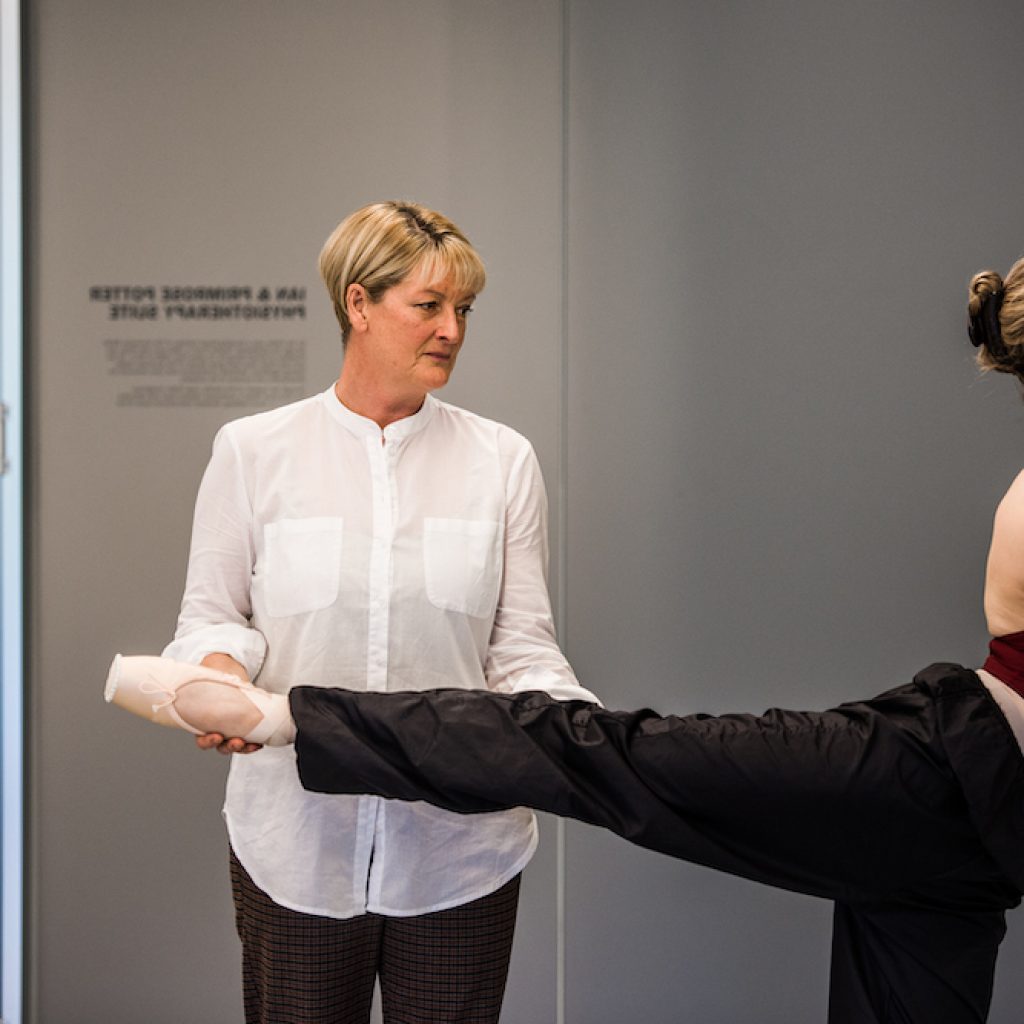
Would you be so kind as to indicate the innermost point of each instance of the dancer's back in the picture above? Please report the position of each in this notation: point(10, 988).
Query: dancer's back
point(1004, 577)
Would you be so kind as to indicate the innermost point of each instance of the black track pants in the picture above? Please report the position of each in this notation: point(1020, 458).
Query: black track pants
point(907, 810)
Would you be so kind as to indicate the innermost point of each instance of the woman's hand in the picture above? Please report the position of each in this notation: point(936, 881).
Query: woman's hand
point(214, 740)
point(235, 745)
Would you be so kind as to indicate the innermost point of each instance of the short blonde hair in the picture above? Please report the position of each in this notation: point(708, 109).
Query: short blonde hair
point(379, 245)
point(995, 307)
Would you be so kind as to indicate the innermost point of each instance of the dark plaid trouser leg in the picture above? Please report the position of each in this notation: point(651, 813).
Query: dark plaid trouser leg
point(449, 967)
point(299, 968)
point(443, 968)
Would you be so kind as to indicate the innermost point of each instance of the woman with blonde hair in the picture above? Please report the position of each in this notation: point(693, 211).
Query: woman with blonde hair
point(375, 538)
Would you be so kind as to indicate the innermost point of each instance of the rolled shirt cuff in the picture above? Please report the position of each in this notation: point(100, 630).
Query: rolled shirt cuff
point(246, 645)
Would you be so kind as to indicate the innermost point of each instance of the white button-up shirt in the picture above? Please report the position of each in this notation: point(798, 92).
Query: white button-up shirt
point(329, 552)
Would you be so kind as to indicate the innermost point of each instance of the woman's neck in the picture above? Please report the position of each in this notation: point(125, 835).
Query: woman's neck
point(383, 409)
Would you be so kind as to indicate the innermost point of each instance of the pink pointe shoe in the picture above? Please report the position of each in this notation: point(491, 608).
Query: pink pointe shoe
point(151, 687)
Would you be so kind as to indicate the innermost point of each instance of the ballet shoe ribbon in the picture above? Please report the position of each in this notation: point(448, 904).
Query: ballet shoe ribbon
point(146, 686)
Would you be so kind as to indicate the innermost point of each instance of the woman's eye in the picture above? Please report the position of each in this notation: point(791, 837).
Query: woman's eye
point(464, 310)
point(428, 306)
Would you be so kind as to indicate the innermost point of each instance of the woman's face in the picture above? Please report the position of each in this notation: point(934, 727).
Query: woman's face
point(413, 334)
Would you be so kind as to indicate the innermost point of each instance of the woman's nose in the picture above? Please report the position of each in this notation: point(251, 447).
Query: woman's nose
point(448, 328)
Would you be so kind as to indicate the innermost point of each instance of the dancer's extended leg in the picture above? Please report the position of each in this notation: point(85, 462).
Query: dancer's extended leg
point(902, 809)
point(199, 700)
point(850, 803)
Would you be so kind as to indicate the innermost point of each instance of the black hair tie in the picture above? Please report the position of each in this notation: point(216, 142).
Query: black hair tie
point(984, 326)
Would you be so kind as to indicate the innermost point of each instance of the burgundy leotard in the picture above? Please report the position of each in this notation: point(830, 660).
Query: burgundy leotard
point(1006, 660)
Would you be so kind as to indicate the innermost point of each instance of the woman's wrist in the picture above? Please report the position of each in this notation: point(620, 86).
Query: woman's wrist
point(225, 663)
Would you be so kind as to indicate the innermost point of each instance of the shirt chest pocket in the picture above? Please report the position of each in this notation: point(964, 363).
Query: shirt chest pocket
point(302, 564)
point(462, 564)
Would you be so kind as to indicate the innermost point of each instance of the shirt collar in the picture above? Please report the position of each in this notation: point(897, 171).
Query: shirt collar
point(361, 426)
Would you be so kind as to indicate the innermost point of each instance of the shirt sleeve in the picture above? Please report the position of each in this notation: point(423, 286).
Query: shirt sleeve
point(524, 652)
point(216, 608)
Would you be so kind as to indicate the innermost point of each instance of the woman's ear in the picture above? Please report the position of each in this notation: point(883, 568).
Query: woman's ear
point(356, 302)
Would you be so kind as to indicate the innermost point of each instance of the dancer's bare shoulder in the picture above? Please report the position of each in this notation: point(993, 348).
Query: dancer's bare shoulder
point(1004, 577)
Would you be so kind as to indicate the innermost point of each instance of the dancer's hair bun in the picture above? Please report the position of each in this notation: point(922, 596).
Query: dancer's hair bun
point(995, 310)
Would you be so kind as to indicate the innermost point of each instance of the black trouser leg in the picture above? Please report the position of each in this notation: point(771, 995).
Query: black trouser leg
point(904, 965)
point(907, 810)
point(855, 803)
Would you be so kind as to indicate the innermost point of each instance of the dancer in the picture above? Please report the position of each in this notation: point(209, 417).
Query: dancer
point(906, 809)
point(375, 538)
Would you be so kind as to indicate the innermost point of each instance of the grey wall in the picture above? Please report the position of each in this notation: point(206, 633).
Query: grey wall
point(779, 451)
point(772, 466)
